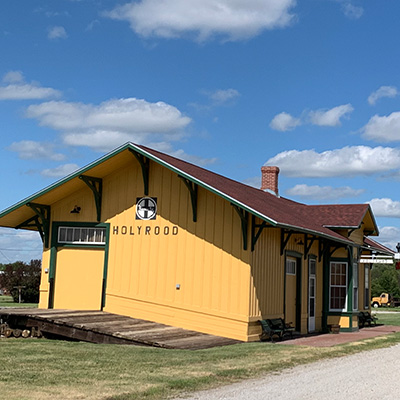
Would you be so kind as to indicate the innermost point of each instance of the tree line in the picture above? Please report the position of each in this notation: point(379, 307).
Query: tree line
point(385, 278)
point(21, 275)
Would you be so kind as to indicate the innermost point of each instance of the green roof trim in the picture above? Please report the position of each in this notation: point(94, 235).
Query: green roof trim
point(132, 147)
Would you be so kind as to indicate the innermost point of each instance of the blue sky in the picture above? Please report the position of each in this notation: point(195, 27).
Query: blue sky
point(312, 87)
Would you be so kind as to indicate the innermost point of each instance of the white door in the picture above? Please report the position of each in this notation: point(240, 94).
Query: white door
point(311, 294)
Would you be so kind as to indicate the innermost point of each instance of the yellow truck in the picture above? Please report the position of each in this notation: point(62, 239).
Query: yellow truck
point(386, 300)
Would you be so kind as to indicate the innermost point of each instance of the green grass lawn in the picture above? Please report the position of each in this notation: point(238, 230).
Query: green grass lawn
point(49, 369)
point(7, 301)
point(387, 318)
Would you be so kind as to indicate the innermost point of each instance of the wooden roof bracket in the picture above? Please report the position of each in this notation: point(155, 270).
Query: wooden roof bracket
point(337, 247)
point(145, 165)
point(285, 240)
point(193, 190)
point(307, 247)
point(41, 221)
point(359, 251)
point(256, 234)
point(244, 218)
point(96, 186)
point(323, 247)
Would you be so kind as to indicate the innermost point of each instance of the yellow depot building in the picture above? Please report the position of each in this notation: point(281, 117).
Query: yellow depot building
point(147, 235)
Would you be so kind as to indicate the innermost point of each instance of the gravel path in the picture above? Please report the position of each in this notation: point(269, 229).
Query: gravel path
point(368, 375)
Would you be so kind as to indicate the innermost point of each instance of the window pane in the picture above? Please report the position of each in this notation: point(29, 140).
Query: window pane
point(312, 267)
point(291, 266)
point(84, 235)
point(338, 282)
point(79, 235)
point(62, 234)
point(69, 235)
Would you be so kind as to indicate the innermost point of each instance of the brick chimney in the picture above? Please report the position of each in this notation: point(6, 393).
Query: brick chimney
point(269, 179)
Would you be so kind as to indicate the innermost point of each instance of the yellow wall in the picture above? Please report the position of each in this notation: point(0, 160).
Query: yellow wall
point(343, 321)
point(148, 259)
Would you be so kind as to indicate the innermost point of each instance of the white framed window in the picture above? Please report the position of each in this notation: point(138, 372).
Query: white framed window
point(355, 286)
point(338, 286)
point(291, 266)
point(81, 235)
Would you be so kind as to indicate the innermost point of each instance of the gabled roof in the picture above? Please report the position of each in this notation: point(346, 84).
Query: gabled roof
point(372, 245)
point(276, 211)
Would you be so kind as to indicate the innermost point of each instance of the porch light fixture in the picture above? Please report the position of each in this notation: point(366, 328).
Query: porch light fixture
point(76, 210)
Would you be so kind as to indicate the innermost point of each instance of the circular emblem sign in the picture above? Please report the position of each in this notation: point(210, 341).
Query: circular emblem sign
point(146, 208)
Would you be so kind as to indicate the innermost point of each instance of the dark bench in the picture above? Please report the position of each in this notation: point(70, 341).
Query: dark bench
point(275, 327)
point(365, 318)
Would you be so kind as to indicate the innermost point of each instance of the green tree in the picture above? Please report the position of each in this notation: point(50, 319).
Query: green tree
point(385, 278)
point(24, 275)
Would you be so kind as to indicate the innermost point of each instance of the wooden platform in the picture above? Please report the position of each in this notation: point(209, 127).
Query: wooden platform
point(103, 327)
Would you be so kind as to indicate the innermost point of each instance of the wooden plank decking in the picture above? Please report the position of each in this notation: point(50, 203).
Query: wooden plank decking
point(103, 327)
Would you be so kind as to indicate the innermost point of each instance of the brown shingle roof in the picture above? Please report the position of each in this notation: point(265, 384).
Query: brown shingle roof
point(278, 211)
point(380, 248)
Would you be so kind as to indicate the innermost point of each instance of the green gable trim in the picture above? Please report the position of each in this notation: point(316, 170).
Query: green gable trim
point(133, 148)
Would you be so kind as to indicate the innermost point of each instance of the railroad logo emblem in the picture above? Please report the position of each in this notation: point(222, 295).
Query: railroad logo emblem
point(146, 208)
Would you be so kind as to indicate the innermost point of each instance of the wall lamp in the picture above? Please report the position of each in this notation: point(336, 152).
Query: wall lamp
point(76, 210)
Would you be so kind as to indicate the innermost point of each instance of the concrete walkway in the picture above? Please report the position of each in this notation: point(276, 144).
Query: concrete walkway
point(329, 339)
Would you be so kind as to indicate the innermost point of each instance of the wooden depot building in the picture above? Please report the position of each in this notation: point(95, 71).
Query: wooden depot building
point(143, 234)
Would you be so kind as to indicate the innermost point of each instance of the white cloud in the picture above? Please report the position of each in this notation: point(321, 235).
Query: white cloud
point(323, 192)
point(60, 171)
point(28, 150)
point(385, 207)
point(255, 181)
point(17, 89)
point(384, 129)
point(111, 123)
point(92, 25)
point(347, 161)
point(13, 77)
point(181, 154)
point(233, 20)
point(351, 11)
point(284, 122)
point(223, 96)
point(330, 117)
point(19, 245)
point(383, 91)
point(389, 236)
point(56, 32)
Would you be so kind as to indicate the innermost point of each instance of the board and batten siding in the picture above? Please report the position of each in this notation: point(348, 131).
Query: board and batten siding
point(267, 299)
point(173, 270)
